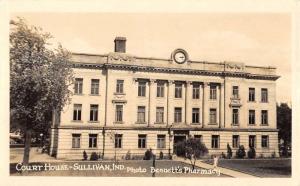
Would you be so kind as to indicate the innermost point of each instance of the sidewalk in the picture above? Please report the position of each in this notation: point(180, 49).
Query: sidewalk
point(225, 171)
point(16, 156)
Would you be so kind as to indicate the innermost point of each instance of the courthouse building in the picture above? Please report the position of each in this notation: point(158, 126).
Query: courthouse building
point(123, 103)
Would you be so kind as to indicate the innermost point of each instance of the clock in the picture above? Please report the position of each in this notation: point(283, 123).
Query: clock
point(180, 56)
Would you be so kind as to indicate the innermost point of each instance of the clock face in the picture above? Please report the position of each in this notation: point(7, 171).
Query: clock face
point(180, 57)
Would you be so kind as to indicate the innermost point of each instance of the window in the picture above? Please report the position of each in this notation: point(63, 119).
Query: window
point(94, 113)
point(252, 141)
point(161, 141)
point(251, 117)
point(141, 114)
point(212, 116)
point(235, 116)
point(160, 89)
point(178, 90)
point(235, 92)
point(95, 86)
point(264, 95)
point(159, 114)
point(251, 94)
point(264, 117)
point(142, 89)
point(76, 140)
point(235, 141)
point(198, 137)
point(93, 140)
point(78, 85)
point(215, 141)
point(142, 141)
point(196, 115)
point(119, 113)
point(196, 91)
point(213, 92)
point(118, 140)
point(265, 141)
point(77, 112)
point(177, 115)
point(120, 85)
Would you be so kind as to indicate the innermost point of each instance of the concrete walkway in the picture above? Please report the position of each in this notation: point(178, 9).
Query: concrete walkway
point(229, 172)
point(16, 155)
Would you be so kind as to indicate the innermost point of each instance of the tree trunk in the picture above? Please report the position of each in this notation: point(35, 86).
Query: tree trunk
point(27, 147)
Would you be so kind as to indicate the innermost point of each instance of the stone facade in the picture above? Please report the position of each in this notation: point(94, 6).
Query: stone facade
point(207, 115)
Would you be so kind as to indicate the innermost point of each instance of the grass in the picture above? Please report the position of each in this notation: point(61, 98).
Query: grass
point(259, 167)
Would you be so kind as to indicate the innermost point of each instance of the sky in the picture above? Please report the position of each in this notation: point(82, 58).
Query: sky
point(262, 39)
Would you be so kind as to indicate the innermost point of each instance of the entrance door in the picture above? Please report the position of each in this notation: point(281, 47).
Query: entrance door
point(177, 140)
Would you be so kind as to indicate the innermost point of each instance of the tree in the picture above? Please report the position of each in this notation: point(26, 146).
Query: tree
point(193, 149)
point(39, 80)
point(284, 122)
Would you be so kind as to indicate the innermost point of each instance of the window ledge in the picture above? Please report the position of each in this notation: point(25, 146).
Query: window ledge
point(251, 124)
point(264, 125)
point(93, 121)
point(77, 121)
point(159, 123)
point(140, 123)
point(78, 94)
point(235, 125)
point(233, 98)
point(251, 101)
point(119, 122)
point(177, 123)
point(195, 123)
point(264, 102)
point(94, 95)
point(116, 93)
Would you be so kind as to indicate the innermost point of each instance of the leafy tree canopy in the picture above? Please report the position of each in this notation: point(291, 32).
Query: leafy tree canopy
point(39, 79)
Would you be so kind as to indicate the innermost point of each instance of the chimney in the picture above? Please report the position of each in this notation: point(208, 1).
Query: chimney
point(120, 44)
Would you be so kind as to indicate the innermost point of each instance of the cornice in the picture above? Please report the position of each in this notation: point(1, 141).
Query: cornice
point(163, 128)
point(174, 70)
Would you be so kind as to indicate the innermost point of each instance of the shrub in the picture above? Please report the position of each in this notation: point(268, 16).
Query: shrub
point(85, 156)
point(128, 155)
point(94, 156)
point(229, 151)
point(273, 155)
point(251, 153)
point(241, 153)
point(161, 155)
point(148, 154)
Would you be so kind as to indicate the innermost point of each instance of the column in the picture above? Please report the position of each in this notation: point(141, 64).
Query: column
point(221, 106)
point(151, 105)
point(204, 104)
point(170, 97)
point(188, 98)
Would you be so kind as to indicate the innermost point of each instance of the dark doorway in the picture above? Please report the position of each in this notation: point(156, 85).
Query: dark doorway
point(177, 141)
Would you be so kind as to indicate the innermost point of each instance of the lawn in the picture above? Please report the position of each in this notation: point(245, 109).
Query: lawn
point(259, 167)
point(135, 164)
